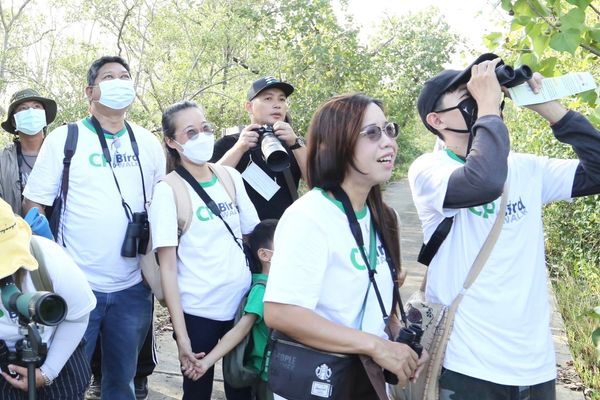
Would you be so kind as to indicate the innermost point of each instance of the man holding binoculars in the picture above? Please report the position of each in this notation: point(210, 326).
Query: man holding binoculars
point(112, 175)
point(268, 153)
point(60, 318)
point(500, 346)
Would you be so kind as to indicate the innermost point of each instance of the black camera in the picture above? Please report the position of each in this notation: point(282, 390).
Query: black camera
point(136, 236)
point(275, 155)
point(410, 336)
point(45, 308)
point(509, 77)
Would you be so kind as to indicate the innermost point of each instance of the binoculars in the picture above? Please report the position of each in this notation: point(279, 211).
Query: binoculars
point(509, 77)
point(136, 236)
point(410, 336)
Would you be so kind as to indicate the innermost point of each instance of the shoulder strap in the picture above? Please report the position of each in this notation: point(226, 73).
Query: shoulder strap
point(429, 250)
point(210, 203)
point(225, 178)
point(183, 203)
point(69, 151)
point(41, 279)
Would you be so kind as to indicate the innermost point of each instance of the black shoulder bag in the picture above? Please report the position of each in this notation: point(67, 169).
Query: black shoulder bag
point(299, 372)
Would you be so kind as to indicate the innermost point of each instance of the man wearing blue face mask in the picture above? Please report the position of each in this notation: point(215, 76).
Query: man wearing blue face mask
point(112, 176)
point(500, 345)
point(27, 118)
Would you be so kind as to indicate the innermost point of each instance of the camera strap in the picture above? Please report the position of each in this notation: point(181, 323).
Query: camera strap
point(210, 203)
point(341, 195)
point(107, 157)
point(289, 180)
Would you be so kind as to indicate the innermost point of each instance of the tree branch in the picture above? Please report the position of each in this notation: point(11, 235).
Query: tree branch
point(119, 36)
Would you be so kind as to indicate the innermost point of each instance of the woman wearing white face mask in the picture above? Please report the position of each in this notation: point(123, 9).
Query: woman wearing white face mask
point(27, 117)
point(204, 272)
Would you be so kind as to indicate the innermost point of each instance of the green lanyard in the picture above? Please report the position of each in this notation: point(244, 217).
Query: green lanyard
point(372, 265)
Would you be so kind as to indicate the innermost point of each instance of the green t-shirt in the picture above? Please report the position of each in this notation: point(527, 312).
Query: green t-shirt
point(260, 331)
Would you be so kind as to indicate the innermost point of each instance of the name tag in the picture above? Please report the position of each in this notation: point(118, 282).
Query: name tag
point(260, 181)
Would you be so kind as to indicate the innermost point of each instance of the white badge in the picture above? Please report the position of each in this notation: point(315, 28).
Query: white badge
point(260, 181)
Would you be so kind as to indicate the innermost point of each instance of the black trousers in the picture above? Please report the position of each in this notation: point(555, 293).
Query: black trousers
point(457, 386)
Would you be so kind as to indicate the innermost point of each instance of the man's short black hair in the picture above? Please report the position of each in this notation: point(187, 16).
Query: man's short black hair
point(92, 73)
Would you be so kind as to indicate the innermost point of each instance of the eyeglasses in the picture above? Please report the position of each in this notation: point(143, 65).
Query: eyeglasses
point(374, 132)
point(206, 129)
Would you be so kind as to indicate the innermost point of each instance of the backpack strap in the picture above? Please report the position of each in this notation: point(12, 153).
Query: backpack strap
point(69, 151)
point(40, 277)
point(225, 178)
point(183, 202)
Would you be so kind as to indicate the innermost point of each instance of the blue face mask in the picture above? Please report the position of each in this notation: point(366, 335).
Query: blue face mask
point(30, 121)
point(116, 93)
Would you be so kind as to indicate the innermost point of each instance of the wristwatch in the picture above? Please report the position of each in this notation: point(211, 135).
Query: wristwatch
point(47, 380)
point(297, 144)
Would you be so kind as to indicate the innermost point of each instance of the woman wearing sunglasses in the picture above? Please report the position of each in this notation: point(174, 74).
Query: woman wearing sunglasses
point(204, 272)
point(320, 292)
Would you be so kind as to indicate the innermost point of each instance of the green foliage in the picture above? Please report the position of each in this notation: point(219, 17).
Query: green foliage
point(210, 51)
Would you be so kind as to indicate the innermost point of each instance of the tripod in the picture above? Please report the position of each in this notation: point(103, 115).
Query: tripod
point(30, 356)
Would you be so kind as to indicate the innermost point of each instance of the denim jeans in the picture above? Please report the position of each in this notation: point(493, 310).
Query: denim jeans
point(121, 320)
point(456, 386)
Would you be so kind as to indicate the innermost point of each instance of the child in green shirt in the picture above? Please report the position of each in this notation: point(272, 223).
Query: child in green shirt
point(260, 241)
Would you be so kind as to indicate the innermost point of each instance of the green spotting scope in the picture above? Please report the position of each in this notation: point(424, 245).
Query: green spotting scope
point(45, 308)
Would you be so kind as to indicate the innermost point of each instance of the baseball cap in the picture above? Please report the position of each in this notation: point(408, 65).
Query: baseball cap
point(448, 79)
point(21, 97)
point(268, 82)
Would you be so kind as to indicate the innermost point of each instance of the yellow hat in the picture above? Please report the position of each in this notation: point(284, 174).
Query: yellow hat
point(15, 235)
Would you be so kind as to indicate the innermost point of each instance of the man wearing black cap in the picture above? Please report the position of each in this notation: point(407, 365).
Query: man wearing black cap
point(500, 346)
point(271, 191)
point(27, 118)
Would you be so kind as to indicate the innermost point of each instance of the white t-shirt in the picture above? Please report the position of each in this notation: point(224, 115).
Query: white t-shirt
point(212, 274)
point(67, 280)
point(502, 328)
point(317, 264)
point(94, 222)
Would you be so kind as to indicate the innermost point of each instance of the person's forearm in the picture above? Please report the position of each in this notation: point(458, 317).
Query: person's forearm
point(231, 339)
point(300, 156)
point(167, 258)
point(28, 205)
point(311, 329)
point(232, 157)
point(551, 111)
point(575, 130)
point(66, 338)
point(482, 177)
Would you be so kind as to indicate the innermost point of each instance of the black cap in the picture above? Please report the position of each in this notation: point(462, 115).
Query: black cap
point(268, 82)
point(21, 97)
point(448, 79)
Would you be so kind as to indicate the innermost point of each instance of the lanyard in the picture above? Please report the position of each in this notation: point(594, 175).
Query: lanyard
point(339, 193)
point(107, 157)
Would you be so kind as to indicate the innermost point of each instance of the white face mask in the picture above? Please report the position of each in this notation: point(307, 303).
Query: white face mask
point(30, 121)
point(199, 149)
point(116, 93)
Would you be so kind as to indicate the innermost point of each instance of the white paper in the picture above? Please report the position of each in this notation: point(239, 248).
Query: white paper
point(553, 88)
point(260, 181)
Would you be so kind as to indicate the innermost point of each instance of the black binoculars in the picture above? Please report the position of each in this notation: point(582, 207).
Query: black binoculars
point(410, 336)
point(509, 77)
point(136, 236)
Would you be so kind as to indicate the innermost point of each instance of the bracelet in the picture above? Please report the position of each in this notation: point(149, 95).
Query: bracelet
point(47, 380)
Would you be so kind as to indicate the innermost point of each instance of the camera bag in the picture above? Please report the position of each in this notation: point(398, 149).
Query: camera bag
point(183, 205)
point(436, 320)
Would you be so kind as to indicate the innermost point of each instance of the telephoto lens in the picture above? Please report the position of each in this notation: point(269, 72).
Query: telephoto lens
point(275, 155)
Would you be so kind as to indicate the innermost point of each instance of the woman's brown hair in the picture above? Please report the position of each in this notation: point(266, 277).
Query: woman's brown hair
point(332, 137)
